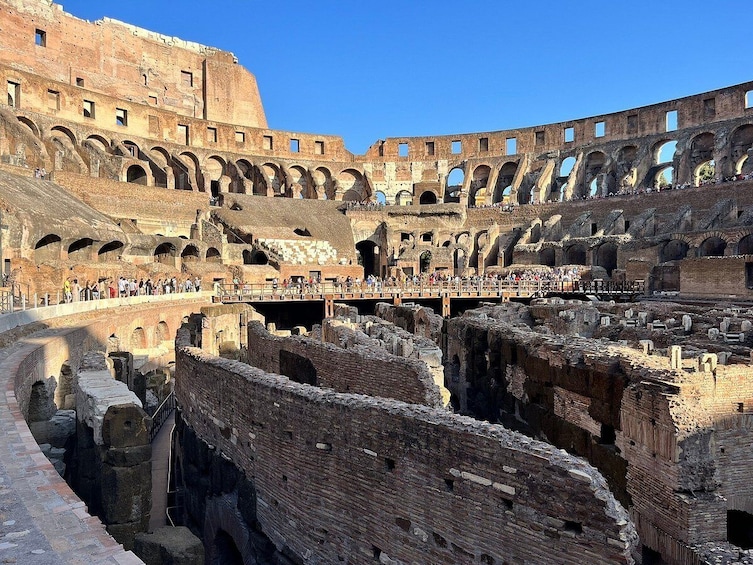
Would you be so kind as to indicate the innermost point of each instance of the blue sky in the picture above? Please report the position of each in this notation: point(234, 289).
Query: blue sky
point(370, 70)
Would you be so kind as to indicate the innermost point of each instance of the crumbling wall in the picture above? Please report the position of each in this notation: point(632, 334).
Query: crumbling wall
point(398, 495)
point(358, 369)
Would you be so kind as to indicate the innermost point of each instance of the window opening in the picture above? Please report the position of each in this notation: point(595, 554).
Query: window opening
point(186, 77)
point(429, 148)
point(671, 120)
point(183, 134)
point(483, 144)
point(749, 99)
point(632, 123)
point(240, 137)
point(212, 135)
point(295, 146)
point(53, 100)
point(88, 109)
point(511, 146)
point(318, 148)
point(40, 37)
point(569, 134)
point(79, 82)
point(402, 149)
point(121, 117)
point(599, 129)
point(456, 147)
point(540, 137)
point(267, 142)
point(14, 94)
point(709, 108)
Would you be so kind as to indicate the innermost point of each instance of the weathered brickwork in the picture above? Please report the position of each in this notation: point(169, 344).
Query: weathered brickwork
point(671, 443)
point(427, 472)
point(358, 369)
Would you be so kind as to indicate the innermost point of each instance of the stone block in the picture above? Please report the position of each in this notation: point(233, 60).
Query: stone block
point(647, 345)
point(125, 425)
point(675, 357)
point(169, 546)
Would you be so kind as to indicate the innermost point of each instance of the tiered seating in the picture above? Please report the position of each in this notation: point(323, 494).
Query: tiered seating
point(301, 252)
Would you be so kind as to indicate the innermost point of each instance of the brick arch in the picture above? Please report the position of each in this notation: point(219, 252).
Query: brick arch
point(29, 123)
point(65, 131)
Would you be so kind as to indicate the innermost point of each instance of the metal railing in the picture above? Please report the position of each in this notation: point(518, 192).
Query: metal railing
point(161, 414)
point(454, 288)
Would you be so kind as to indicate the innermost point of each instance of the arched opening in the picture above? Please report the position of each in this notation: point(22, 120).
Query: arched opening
point(324, 185)
point(594, 165)
point(745, 246)
point(567, 166)
point(428, 197)
point(425, 261)
point(503, 188)
point(479, 181)
point(110, 251)
point(367, 257)
point(162, 333)
point(352, 186)
point(136, 175)
point(165, 253)
point(190, 253)
point(213, 256)
point(704, 173)
point(256, 257)
point(138, 339)
point(741, 142)
point(664, 178)
point(740, 528)
point(674, 250)
point(48, 249)
point(29, 124)
point(606, 256)
point(665, 152)
point(593, 188)
point(576, 255)
point(225, 551)
point(535, 235)
point(65, 131)
point(214, 169)
point(380, 197)
point(455, 181)
point(713, 246)
point(547, 257)
point(80, 249)
point(404, 198)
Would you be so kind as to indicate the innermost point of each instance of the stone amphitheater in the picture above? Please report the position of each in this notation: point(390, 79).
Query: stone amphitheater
point(555, 428)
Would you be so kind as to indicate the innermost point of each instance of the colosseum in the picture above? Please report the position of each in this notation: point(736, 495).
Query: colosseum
point(225, 343)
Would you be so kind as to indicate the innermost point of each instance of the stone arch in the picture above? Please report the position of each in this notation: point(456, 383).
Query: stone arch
point(80, 249)
point(576, 254)
point(479, 182)
point(741, 141)
point(745, 245)
point(712, 246)
point(325, 187)
point(368, 255)
point(701, 148)
point(594, 164)
point(99, 142)
point(299, 178)
point(664, 177)
point(136, 174)
point(190, 253)
point(213, 255)
point(255, 257)
point(566, 167)
point(65, 131)
point(162, 332)
point(503, 188)
point(427, 197)
point(110, 251)
point(403, 198)
point(138, 339)
point(165, 253)
point(454, 185)
point(606, 256)
point(704, 172)
point(674, 250)
point(547, 257)
point(48, 248)
point(351, 186)
point(381, 198)
point(274, 178)
point(193, 169)
point(424, 262)
point(214, 168)
point(31, 125)
point(664, 151)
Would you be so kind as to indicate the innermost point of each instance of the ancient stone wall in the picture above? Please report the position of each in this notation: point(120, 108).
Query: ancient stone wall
point(400, 495)
point(358, 369)
point(652, 431)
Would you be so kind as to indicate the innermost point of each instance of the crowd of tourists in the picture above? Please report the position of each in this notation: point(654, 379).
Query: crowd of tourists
point(73, 291)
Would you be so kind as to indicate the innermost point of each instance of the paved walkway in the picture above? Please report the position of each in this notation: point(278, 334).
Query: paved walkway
point(160, 467)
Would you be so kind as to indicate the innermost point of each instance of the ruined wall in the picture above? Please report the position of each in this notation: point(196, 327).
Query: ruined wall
point(653, 432)
point(715, 276)
point(124, 61)
point(399, 495)
point(358, 369)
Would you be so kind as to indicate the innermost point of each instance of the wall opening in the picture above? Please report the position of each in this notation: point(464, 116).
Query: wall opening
point(402, 149)
point(367, 257)
point(456, 147)
point(511, 146)
point(740, 528)
point(40, 37)
point(297, 368)
point(225, 550)
point(599, 129)
point(136, 175)
point(569, 134)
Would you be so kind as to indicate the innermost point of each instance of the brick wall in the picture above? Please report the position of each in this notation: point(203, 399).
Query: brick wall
point(341, 476)
point(358, 369)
